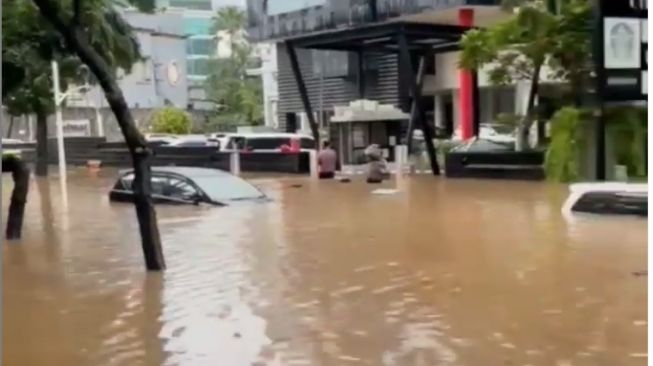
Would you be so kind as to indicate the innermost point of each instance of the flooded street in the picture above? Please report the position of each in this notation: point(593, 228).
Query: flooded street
point(449, 272)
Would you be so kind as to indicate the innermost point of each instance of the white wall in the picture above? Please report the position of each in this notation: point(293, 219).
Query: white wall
point(446, 81)
point(268, 72)
point(446, 73)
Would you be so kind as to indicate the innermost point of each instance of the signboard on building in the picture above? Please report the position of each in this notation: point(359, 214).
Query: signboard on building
point(77, 128)
point(622, 62)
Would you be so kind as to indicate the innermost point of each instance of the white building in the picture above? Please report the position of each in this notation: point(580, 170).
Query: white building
point(267, 53)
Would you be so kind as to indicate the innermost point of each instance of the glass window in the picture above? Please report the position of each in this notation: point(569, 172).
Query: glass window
point(285, 6)
point(330, 63)
point(224, 188)
point(236, 143)
point(307, 143)
point(198, 26)
point(192, 144)
point(270, 143)
point(200, 46)
point(180, 189)
point(158, 183)
point(191, 4)
point(198, 66)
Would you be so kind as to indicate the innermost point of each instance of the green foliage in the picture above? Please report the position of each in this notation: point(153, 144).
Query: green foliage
point(240, 97)
point(171, 120)
point(512, 49)
point(230, 19)
point(30, 44)
point(626, 128)
point(561, 161)
point(555, 33)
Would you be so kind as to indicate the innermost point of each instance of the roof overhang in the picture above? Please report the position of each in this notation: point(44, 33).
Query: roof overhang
point(382, 37)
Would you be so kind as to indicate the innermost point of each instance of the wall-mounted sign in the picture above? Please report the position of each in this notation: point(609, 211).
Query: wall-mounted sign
point(623, 50)
point(622, 43)
point(77, 128)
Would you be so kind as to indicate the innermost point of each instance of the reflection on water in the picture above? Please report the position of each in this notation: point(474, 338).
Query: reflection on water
point(444, 273)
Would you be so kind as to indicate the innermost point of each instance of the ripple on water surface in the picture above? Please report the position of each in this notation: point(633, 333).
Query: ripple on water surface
point(445, 273)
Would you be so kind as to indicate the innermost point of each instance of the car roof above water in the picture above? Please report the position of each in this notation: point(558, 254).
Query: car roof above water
point(191, 172)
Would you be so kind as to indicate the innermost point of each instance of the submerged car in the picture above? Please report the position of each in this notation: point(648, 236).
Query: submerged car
point(186, 185)
point(608, 198)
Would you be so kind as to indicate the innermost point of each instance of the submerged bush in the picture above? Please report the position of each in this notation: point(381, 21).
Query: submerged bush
point(561, 162)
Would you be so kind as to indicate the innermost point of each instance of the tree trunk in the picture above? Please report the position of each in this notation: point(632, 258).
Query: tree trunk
point(140, 152)
point(529, 118)
point(41, 144)
point(11, 127)
point(20, 174)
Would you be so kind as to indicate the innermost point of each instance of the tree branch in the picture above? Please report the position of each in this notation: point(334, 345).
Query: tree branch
point(79, 44)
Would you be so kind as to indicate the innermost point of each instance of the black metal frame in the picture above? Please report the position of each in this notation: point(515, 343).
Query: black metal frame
point(400, 38)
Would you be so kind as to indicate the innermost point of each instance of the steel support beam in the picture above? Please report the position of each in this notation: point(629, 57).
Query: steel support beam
point(406, 64)
point(421, 70)
point(476, 104)
point(303, 93)
point(361, 74)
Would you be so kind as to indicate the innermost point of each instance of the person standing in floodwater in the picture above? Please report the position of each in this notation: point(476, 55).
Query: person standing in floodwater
point(377, 166)
point(326, 160)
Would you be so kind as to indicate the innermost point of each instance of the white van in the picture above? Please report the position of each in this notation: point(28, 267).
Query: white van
point(264, 142)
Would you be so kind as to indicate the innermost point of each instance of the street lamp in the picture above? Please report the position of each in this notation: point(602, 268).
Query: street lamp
point(59, 98)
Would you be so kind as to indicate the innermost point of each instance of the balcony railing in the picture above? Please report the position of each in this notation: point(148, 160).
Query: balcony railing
point(319, 18)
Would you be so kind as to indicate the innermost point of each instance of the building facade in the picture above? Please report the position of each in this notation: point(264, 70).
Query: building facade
point(269, 74)
point(333, 78)
point(203, 44)
point(158, 81)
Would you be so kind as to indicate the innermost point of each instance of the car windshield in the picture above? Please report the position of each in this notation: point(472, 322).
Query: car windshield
point(226, 188)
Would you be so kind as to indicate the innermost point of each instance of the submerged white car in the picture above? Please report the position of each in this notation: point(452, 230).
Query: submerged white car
point(607, 198)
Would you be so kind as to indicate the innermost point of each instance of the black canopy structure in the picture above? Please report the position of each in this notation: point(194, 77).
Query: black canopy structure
point(399, 37)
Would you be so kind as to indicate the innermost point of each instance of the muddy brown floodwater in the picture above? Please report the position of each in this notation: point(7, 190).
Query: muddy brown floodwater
point(450, 272)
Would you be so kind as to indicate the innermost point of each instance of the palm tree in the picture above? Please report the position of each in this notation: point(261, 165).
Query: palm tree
point(231, 20)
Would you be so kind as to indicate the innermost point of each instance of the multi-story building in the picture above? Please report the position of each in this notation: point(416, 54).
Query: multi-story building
point(203, 44)
point(160, 80)
point(334, 78)
point(266, 53)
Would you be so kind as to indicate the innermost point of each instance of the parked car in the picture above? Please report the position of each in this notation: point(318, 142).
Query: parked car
point(264, 141)
point(194, 141)
point(188, 185)
point(159, 139)
point(607, 198)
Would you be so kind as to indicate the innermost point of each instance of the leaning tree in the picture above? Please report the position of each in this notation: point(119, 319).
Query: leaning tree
point(79, 23)
point(28, 48)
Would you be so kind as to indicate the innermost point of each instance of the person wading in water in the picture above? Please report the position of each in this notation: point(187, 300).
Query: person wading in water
point(327, 159)
point(377, 166)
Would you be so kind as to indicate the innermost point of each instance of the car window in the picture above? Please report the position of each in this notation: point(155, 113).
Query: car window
point(267, 143)
point(225, 188)
point(612, 203)
point(307, 143)
point(180, 188)
point(191, 143)
point(159, 182)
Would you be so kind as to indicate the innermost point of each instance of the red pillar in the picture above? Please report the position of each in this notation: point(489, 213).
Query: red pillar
point(466, 19)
